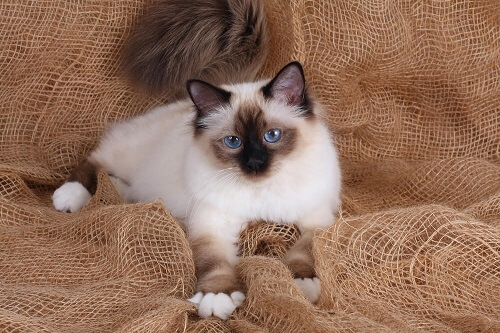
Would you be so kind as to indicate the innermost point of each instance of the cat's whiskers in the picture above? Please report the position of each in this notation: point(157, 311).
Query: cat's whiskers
point(209, 188)
point(200, 187)
point(221, 183)
point(213, 176)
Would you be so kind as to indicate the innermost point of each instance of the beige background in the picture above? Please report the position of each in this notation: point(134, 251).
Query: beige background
point(411, 90)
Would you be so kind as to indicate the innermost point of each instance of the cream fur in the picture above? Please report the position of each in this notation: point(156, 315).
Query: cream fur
point(220, 305)
point(157, 155)
point(71, 196)
point(310, 287)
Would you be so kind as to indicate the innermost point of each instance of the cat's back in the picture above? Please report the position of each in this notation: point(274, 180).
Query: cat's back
point(125, 146)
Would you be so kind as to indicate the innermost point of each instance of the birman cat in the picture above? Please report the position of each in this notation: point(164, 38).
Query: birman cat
point(226, 155)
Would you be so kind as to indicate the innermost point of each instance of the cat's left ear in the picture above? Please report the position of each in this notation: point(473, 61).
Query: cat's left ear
point(289, 87)
point(206, 97)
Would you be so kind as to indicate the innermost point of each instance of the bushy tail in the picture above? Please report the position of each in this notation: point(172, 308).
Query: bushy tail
point(220, 41)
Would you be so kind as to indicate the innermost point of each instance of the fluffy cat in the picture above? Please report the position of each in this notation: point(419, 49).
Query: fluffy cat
point(223, 157)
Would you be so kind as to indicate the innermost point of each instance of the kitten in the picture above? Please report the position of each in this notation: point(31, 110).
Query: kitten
point(225, 156)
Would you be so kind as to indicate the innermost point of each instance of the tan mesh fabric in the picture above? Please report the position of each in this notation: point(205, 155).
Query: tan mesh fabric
point(412, 90)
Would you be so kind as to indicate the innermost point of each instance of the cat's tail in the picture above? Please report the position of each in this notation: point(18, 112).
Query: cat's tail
point(220, 41)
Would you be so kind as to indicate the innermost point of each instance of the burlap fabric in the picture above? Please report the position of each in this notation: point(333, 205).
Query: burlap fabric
point(411, 89)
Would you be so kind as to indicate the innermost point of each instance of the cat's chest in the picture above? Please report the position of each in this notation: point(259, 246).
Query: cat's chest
point(282, 201)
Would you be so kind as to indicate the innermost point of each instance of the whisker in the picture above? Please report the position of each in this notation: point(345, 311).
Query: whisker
point(222, 183)
point(203, 186)
point(211, 176)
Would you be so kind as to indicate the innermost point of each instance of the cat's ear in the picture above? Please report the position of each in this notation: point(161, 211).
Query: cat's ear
point(289, 87)
point(206, 97)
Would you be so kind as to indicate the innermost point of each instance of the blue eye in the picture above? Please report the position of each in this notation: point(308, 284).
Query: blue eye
point(232, 142)
point(273, 135)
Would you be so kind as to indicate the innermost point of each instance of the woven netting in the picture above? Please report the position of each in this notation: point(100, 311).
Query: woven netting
point(412, 90)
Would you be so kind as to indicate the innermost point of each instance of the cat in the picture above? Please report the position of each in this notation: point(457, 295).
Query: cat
point(222, 157)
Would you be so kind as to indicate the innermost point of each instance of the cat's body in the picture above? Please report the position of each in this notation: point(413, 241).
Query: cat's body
point(156, 156)
point(225, 157)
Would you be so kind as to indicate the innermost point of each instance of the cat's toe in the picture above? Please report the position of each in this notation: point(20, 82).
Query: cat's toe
point(311, 287)
point(223, 306)
point(71, 196)
point(206, 305)
point(220, 305)
point(196, 299)
point(238, 297)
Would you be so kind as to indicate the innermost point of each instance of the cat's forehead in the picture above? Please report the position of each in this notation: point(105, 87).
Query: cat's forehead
point(248, 109)
point(246, 93)
point(248, 104)
point(246, 89)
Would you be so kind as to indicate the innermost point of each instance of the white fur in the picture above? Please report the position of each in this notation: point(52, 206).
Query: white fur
point(157, 156)
point(310, 287)
point(219, 305)
point(71, 196)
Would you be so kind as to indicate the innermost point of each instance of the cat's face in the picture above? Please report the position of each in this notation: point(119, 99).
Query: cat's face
point(252, 127)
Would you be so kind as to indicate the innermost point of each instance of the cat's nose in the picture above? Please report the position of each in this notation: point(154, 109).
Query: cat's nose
point(254, 164)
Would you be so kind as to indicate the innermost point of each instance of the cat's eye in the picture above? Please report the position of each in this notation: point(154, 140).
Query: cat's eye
point(232, 141)
point(273, 135)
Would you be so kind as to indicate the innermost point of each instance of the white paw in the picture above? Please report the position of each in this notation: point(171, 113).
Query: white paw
point(71, 196)
point(310, 287)
point(219, 305)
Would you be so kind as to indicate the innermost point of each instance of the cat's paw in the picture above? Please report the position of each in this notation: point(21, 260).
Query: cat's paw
point(219, 305)
point(311, 287)
point(71, 196)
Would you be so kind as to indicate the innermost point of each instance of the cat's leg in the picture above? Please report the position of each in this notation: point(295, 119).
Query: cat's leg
point(299, 257)
point(218, 289)
point(215, 253)
point(300, 260)
point(78, 188)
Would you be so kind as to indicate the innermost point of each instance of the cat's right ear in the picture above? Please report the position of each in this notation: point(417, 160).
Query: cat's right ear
point(206, 97)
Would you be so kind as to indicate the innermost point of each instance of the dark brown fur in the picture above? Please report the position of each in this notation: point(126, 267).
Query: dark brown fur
point(86, 174)
point(300, 259)
point(213, 272)
point(304, 100)
point(221, 41)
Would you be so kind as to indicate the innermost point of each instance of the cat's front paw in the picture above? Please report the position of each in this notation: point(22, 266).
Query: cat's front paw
point(311, 287)
point(219, 305)
point(70, 197)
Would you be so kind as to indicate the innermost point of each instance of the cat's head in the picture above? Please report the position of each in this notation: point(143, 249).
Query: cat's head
point(253, 127)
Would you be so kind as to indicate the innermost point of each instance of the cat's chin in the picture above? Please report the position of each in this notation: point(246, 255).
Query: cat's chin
point(259, 176)
point(257, 180)
point(255, 176)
